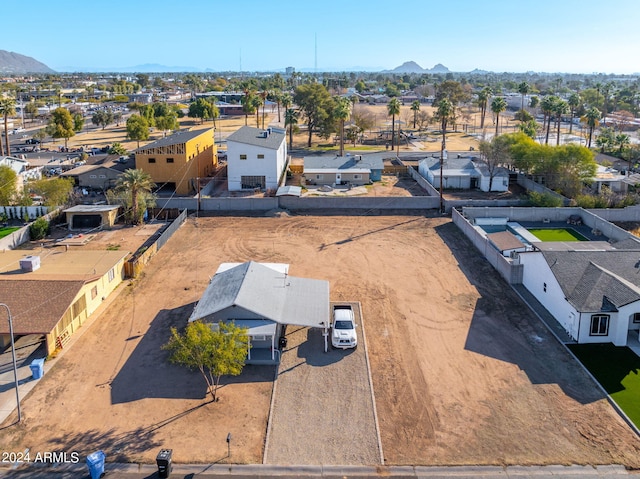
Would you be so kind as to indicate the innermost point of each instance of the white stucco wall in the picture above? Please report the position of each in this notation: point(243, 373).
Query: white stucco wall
point(271, 166)
point(500, 183)
point(578, 325)
point(536, 274)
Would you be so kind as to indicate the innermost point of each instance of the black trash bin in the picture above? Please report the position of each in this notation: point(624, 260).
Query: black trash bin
point(163, 460)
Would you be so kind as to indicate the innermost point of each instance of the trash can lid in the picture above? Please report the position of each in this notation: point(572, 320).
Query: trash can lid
point(164, 453)
point(96, 457)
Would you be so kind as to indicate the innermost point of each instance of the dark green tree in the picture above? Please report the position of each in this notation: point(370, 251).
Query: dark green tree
point(137, 128)
point(315, 104)
point(61, 125)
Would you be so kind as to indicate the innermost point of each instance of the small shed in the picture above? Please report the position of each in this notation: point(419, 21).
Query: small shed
point(84, 217)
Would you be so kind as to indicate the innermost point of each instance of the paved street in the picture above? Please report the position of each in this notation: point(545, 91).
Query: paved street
point(220, 471)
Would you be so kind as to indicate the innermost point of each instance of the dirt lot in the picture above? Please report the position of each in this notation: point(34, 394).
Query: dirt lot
point(463, 373)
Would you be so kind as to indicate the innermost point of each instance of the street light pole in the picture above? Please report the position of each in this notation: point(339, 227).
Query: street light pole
point(13, 355)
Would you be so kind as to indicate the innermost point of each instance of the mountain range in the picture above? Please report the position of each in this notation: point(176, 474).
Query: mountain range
point(15, 63)
point(413, 67)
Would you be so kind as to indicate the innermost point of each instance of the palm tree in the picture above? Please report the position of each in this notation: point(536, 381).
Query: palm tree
point(7, 108)
point(136, 182)
point(263, 97)
point(560, 108)
point(415, 108)
point(483, 98)
point(443, 113)
point(247, 105)
point(393, 109)
point(623, 141)
point(523, 89)
point(498, 105)
point(546, 105)
point(256, 102)
point(342, 113)
point(290, 120)
point(573, 102)
point(592, 119)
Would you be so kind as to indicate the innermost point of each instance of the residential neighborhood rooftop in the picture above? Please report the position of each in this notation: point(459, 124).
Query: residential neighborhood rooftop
point(348, 162)
point(269, 138)
point(590, 277)
point(59, 264)
point(176, 138)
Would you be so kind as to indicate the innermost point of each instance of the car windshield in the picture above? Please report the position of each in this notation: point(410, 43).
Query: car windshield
point(343, 325)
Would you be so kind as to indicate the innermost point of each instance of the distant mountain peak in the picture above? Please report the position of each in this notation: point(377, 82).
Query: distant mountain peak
point(413, 67)
point(11, 62)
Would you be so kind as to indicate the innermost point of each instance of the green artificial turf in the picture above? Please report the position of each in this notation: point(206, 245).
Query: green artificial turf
point(8, 230)
point(617, 369)
point(557, 234)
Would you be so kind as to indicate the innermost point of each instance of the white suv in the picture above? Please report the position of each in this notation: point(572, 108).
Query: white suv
point(343, 329)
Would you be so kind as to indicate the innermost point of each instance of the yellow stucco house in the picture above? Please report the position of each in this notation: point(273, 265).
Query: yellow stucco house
point(176, 162)
point(52, 293)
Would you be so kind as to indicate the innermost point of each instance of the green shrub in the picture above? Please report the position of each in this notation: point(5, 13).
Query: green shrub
point(545, 199)
point(39, 229)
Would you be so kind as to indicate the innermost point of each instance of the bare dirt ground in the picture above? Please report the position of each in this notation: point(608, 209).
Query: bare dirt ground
point(462, 371)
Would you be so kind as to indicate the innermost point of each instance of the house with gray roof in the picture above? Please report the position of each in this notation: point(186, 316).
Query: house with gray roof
point(256, 158)
point(264, 298)
point(593, 293)
point(463, 173)
point(98, 177)
point(339, 170)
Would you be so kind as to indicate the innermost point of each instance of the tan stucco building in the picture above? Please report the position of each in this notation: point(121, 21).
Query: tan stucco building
point(56, 298)
point(177, 161)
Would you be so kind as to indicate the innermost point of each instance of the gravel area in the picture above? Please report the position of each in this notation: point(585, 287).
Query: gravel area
point(323, 411)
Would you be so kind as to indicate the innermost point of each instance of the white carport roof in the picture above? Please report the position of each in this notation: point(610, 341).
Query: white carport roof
point(267, 291)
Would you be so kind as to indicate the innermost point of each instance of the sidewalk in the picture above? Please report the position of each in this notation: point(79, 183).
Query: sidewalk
point(233, 471)
point(32, 347)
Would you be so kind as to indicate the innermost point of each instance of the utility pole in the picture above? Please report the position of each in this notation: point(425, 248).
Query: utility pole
point(13, 356)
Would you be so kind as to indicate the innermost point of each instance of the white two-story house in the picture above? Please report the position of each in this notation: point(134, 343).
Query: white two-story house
point(256, 158)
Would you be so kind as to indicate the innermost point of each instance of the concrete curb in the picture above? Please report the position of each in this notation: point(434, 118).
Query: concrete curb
point(373, 395)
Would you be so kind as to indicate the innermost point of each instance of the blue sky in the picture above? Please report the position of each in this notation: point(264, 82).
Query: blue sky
point(574, 36)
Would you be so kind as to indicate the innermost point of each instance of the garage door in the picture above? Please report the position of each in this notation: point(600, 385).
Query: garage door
point(251, 182)
point(80, 222)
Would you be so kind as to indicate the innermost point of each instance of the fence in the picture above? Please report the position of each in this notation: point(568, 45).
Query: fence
point(134, 265)
point(512, 273)
point(531, 185)
point(296, 168)
point(589, 218)
point(22, 235)
point(396, 170)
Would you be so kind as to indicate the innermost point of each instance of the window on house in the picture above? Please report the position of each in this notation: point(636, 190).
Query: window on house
point(152, 160)
point(92, 176)
point(94, 292)
point(260, 157)
point(599, 325)
point(243, 157)
point(103, 176)
point(319, 177)
point(357, 177)
point(112, 274)
point(636, 318)
point(169, 160)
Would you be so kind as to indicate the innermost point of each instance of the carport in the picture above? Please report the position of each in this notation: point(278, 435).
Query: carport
point(85, 217)
point(263, 298)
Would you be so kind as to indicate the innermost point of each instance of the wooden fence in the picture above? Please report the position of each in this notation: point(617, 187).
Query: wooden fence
point(134, 265)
